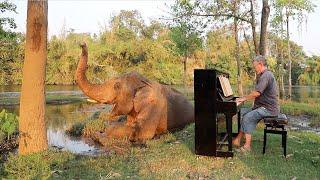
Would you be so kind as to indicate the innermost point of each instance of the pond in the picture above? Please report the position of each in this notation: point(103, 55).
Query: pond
point(61, 116)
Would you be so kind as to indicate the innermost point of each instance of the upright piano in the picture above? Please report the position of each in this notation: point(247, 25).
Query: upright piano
point(213, 96)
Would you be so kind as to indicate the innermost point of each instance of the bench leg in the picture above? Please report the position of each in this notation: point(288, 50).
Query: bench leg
point(284, 143)
point(264, 141)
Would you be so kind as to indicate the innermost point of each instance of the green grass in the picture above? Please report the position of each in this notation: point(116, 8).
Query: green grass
point(172, 157)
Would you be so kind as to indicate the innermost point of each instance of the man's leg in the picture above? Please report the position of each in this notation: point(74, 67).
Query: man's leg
point(237, 140)
point(249, 123)
point(247, 144)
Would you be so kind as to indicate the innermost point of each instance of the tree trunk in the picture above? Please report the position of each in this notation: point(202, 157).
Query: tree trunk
point(248, 44)
point(289, 57)
point(281, 66)
point(32, 128)
point(253, 27)
point(237, 52)
point(264, 25)
point(185, 73)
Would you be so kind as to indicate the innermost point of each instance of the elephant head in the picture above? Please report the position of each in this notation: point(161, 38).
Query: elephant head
point(119, 91)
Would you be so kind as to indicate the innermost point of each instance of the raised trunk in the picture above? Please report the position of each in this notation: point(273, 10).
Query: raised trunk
point(32, 127)
point(264, 25)
point(93, 91)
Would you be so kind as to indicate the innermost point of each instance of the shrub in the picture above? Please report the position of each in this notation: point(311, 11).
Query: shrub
point(8, 124)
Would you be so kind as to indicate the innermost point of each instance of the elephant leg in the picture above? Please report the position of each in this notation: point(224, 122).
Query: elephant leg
point(119, 130)
point(146, 123)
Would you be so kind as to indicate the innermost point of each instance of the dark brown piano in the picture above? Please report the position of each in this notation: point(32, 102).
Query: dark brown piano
point(213, 96)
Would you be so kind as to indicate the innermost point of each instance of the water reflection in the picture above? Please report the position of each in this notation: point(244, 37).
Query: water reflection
point(58, 139)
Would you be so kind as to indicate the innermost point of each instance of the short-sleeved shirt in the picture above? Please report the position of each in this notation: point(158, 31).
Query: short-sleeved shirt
point(266, 85)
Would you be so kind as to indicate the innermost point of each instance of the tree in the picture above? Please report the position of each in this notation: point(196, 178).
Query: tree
point(9, 44)
point(186, 43)
point(32, 128)
point(264, 24)
point(292, 9)
point(224, 11)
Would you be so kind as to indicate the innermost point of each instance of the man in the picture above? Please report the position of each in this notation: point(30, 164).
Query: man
point(265, 98)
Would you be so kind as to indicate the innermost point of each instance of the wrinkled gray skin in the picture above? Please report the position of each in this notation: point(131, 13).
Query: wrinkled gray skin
point(151, 108)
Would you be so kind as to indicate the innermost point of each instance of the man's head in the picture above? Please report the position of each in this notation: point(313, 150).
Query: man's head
point(259, 64)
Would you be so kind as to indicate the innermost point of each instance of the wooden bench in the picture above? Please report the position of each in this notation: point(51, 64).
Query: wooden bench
point(276, 125)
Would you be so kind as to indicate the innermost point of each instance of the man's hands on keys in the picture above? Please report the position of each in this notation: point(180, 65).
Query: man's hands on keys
point(240, 100)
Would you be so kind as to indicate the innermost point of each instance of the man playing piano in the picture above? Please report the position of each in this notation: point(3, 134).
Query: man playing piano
point(265, 98)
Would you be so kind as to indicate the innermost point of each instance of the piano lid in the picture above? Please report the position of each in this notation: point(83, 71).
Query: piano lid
point(225, 85)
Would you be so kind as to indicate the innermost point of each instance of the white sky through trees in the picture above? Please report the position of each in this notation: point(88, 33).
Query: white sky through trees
point(92, 16)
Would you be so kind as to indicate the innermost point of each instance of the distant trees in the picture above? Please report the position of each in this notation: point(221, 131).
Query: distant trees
point(213, 34)
point(284, 11)
point(11, 46)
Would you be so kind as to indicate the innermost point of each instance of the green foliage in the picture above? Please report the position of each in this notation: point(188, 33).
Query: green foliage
point(8, 124)
point(186, 41)
point(310, 74)
point(157, 51)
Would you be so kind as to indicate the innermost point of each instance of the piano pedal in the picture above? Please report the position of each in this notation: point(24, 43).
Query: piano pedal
point(223, 141)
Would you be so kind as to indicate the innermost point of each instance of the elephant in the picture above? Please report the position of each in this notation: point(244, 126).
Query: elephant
point(151, 108)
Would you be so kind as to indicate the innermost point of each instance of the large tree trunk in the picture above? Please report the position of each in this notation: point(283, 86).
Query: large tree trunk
point(253, 27)
point(32, 128)
point(264, 25)
point(289, 57)
point(237, 52)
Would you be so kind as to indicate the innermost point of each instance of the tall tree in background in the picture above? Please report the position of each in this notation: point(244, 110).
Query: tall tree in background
point(237, 49)
point(223, 11)
point(186, 42)
point(32, 128)
point(264, 27)
point(292, 9)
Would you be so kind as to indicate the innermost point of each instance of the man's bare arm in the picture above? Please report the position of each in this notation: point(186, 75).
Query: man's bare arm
point(251, 96)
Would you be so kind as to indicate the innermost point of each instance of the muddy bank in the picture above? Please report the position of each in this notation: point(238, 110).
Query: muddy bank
point(7, 146)
point(302, 123)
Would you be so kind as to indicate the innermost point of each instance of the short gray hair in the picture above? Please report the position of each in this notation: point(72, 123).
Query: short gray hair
point(261, 59)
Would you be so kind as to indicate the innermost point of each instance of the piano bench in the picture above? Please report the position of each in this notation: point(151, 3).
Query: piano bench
point(276, 125)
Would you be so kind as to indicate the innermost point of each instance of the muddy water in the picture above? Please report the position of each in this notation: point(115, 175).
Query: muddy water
point(61, 117)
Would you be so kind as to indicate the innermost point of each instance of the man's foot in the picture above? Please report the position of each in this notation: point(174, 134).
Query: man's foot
point(236, 142)
point(244, 149)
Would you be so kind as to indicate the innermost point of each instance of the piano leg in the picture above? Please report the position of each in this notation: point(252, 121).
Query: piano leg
point(229, 131)
point(239, 118)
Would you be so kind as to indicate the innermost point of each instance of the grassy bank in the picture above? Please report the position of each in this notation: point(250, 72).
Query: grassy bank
point(172, 157)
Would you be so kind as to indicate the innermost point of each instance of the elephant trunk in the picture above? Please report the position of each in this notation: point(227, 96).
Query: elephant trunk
point(93, 91)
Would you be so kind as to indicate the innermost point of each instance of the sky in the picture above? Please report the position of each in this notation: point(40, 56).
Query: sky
point(92, 16)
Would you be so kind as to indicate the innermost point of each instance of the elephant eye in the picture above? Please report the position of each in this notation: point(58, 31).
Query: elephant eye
point(117, 86)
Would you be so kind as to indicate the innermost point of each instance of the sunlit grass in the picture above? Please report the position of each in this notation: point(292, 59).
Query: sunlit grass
point(172, 157)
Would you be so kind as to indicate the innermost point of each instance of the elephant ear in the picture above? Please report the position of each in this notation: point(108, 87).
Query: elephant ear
point(137, 81)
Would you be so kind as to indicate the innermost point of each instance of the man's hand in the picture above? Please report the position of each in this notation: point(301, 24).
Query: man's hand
point(240, 100)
